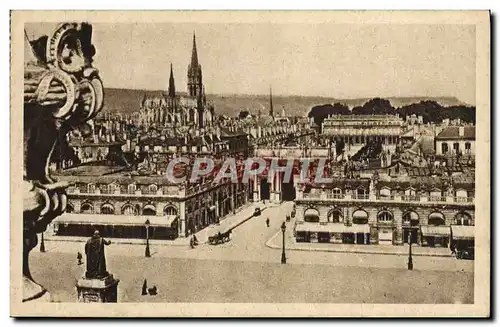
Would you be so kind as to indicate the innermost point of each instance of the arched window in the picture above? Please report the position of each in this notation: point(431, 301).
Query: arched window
point(410, 218)
point(129, 210)
point(444, 148)
point(436, 219)
point(107, 209)
point(456, 147)
point(360, 217)
point(87, 208)
point(335, 216)
point(463, 218)
point(170, 211)
point(311, 215)
point(149, 210)
point(384, 217)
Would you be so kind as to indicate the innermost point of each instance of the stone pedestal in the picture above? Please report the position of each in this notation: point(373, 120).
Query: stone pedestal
point(97, 290)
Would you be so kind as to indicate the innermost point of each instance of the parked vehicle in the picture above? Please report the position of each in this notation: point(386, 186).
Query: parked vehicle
point(465, 253)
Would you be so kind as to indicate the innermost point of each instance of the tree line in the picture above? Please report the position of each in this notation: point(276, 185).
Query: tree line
point(430, 110)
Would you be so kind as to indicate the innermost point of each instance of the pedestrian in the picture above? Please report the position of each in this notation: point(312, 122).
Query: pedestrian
point(79, 258)
point(144, 288)
point(267, 221)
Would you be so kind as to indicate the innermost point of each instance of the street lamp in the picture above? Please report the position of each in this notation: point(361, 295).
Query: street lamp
point(410, 260)
point(283, 256)
point(42, 244)
point(148, 253)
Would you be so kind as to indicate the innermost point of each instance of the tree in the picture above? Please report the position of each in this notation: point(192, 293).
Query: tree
point(243, 114)
point(376, 106)
point(319, 113)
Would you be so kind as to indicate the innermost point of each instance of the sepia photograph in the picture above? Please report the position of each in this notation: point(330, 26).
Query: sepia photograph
point(238, 164)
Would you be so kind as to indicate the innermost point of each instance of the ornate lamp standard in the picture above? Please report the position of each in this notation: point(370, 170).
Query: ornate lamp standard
point(42, 244)
point(410, 260)
point(146, 224)
point(283, 256)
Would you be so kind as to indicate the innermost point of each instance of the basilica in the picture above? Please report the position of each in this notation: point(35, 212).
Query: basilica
point(171, 110)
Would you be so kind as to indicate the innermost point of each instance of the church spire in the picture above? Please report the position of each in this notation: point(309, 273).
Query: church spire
point(171, 83)
point(271, 113)
point(194, 53)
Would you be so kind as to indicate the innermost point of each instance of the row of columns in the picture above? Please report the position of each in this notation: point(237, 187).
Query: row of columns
point(363, 139)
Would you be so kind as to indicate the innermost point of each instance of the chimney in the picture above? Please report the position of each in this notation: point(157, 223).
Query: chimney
point(461, 131)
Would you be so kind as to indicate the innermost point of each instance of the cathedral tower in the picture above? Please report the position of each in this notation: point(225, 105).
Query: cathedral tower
point(195, 81)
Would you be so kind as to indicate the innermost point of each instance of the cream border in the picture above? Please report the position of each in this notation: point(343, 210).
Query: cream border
point(481, 306)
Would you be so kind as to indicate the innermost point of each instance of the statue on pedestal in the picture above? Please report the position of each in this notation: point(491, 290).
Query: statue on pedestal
point(96, 259)
point(61, 92)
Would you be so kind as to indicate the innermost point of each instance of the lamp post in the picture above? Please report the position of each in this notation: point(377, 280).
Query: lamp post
point(42, 244)
point(410, 260)
point(283, 256)
point(148, 253)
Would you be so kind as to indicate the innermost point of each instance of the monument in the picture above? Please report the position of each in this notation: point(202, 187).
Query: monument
point(62, 90)
point(98, 285)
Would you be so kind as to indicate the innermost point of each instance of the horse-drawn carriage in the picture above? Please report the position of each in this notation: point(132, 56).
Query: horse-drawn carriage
point(220, 238)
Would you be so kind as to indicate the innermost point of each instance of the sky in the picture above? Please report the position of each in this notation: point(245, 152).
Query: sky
point(325, 59)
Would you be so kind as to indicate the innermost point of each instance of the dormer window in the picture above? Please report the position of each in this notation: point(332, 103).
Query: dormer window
point(131, 188)
point(153, 188)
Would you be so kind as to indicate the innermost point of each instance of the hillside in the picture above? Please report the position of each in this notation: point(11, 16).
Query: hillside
point(128, 101)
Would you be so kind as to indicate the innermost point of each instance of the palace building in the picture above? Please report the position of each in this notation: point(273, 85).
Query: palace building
point(391, 208)
point(361, 129)
point(172, 109)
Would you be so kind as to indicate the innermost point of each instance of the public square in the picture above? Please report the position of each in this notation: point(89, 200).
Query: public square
point(246, 270)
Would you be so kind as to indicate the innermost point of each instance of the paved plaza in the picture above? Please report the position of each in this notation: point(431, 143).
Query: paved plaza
point(246, 270)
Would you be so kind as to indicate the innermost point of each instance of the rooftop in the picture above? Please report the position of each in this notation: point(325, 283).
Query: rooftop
point(453, 132)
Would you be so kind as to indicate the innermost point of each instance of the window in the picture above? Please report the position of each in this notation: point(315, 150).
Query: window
point(456, 147)
point(361, 192)
point(463, 218)
point(131, 189)
point(337, 193)
point(86, 208)
point(107, 209)
point(311, 215)
point(444, 148)
point(360, 217)
point(335, 216)
point(69, 208)
point(111, 188)
point(170, 211)
point(467, 147)
point(384, 217)
point(385, 192)
point(91, 188)
point(153, 188)
point(149, 210)
point(436, 219)
point(410, 218)
point(129, 210)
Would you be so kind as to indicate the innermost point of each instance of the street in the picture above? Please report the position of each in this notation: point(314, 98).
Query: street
point(245, 270)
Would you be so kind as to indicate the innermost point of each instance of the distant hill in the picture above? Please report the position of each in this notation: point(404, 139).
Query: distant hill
point(128, 101)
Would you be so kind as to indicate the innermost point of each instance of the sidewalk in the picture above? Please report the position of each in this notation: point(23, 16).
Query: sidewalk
point(228, 222)
point(275, 242)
